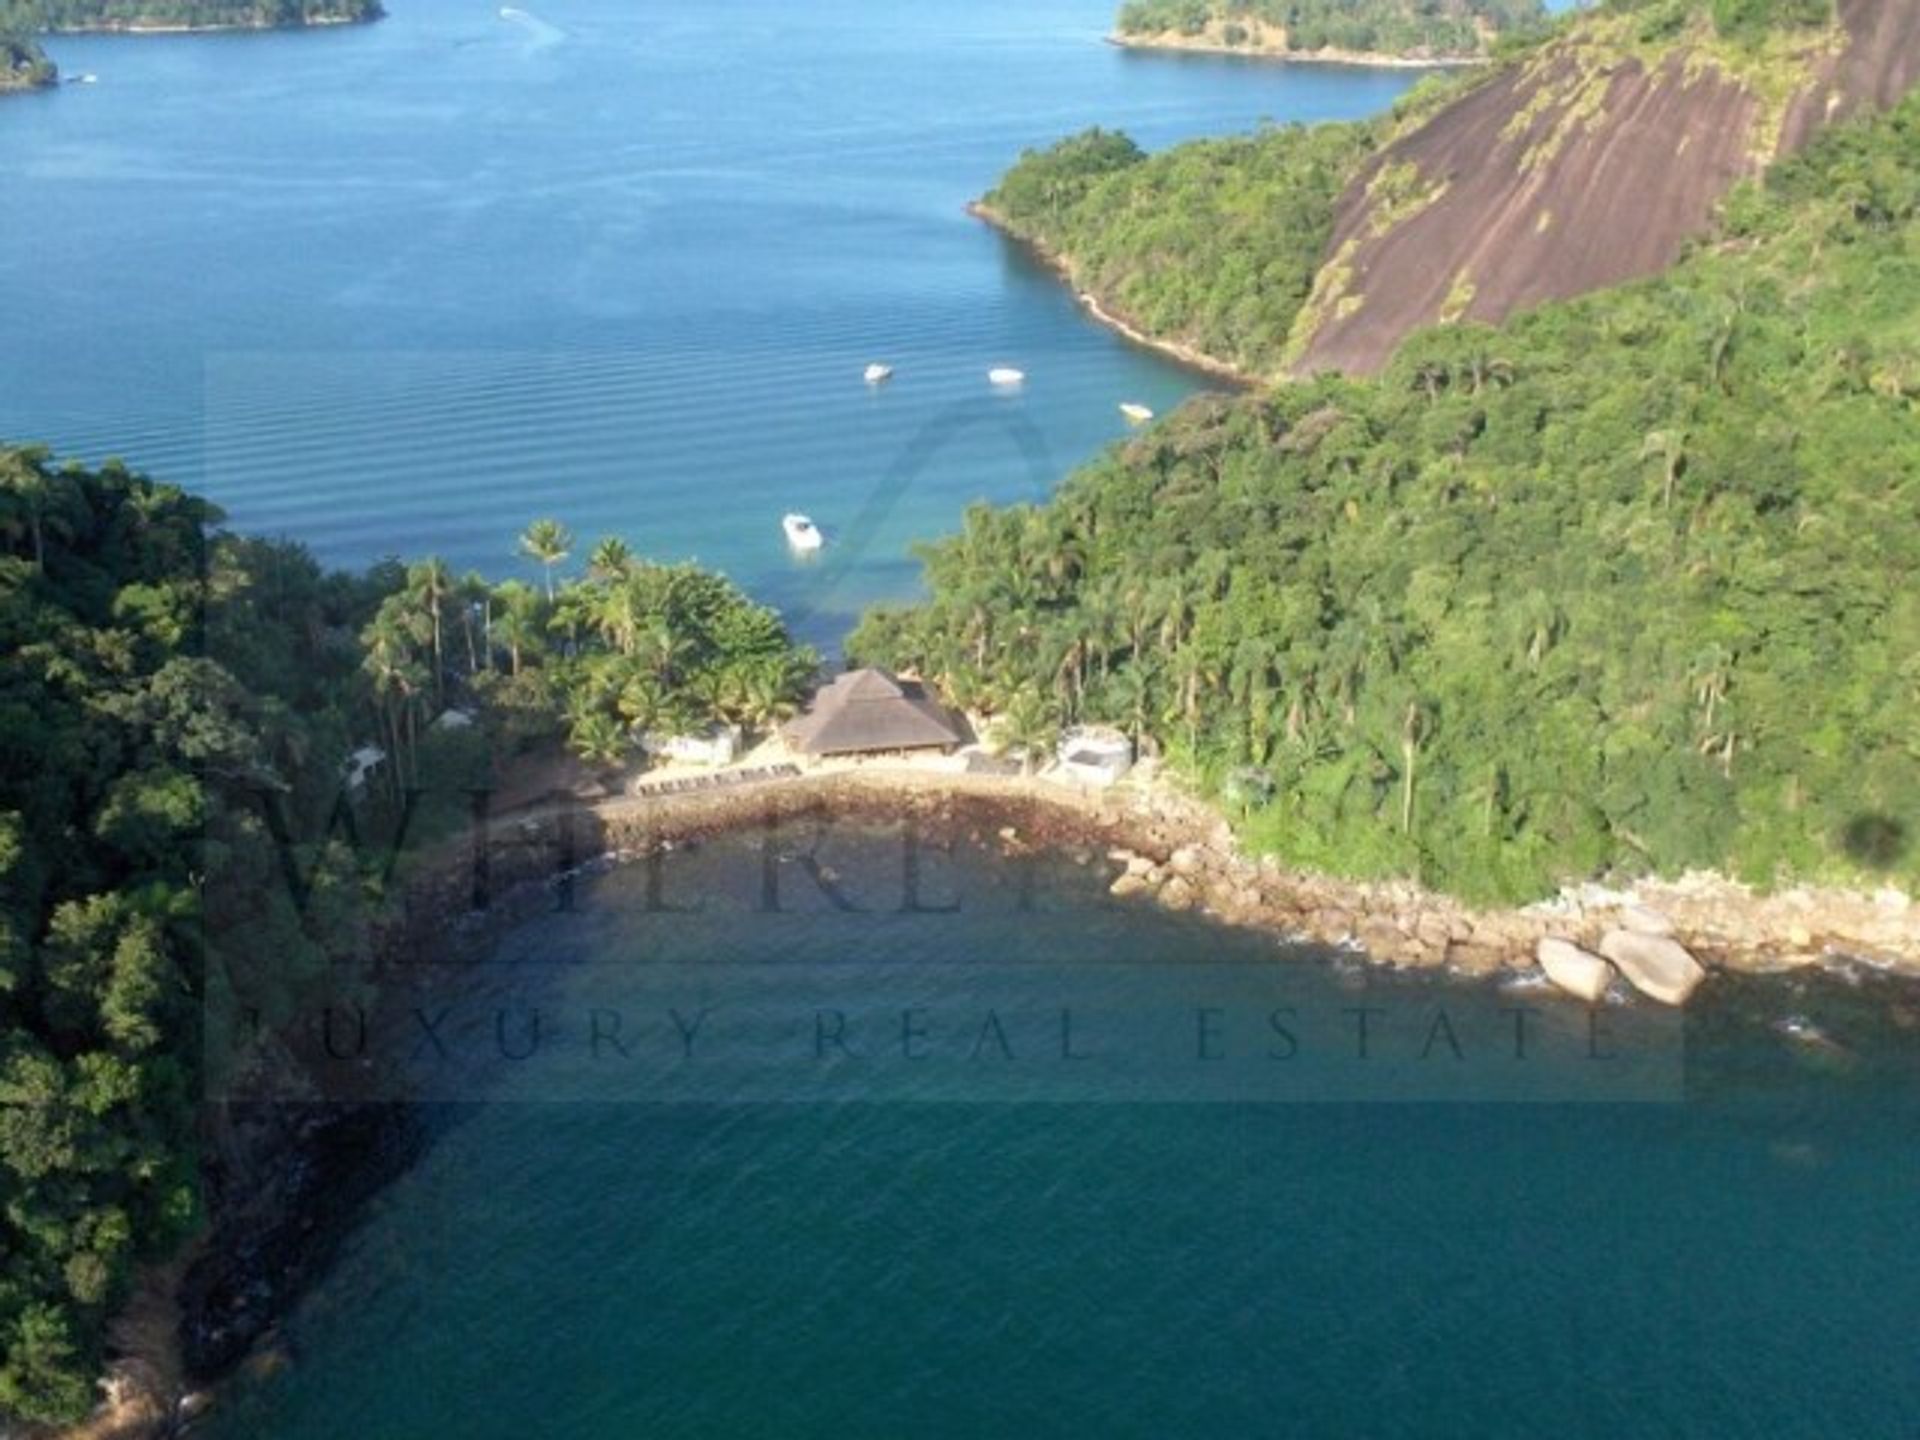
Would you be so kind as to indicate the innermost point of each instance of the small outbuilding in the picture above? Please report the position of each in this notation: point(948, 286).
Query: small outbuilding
point(716, 745)
point(1095, 754)
point(872, 712)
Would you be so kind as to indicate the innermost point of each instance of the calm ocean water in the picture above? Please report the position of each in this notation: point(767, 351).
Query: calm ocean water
point(405, 287)
point(752, 1233)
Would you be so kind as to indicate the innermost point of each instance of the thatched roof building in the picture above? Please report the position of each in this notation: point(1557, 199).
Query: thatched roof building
point(870, 710)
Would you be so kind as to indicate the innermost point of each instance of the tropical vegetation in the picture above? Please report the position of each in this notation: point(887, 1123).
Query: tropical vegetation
point(1217, 244)
point(1619, 588)
point(50, 16)
point(176, 703)
point(1449, 28)
point(24, 65)
point(1212, 244)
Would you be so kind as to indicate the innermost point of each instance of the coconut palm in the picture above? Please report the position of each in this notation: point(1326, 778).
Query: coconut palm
point(34, 500)
point(549, 542)
point(611, 559)
point(1030, 725)
point(429, 586)
point(598, 739)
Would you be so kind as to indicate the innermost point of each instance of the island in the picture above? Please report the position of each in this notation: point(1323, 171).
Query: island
point(1352, 32)
point(61, 17)
point(24, 66)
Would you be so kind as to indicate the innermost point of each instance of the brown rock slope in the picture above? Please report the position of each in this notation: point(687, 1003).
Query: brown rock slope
point(1588, 164)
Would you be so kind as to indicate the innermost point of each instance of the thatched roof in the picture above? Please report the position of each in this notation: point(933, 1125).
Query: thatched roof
point(872, 710)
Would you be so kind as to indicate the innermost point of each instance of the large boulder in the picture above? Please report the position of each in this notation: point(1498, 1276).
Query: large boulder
point(1576, 971)
point(1656, 966)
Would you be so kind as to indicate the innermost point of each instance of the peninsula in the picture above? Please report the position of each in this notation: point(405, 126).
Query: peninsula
point(1361, 32)
point(24, 66)
point(71, 17)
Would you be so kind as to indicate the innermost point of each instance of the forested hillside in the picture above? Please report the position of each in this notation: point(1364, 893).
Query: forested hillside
point(174, 702)
point(129, 765)
point(1624, 586)
point(50, 16)
point(1212, 245)
point(1418, 29)
point(23, 65)
point(1575, 162)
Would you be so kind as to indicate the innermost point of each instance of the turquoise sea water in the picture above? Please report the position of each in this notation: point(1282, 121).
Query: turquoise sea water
point(407, 286)
point(749, 1235)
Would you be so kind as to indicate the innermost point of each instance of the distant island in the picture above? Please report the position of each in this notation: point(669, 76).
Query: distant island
point(23, 66)
point(63, 17)
point(1365, 32)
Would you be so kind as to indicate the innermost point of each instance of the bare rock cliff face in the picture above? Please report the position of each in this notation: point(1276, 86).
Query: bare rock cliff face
point(1587, 165)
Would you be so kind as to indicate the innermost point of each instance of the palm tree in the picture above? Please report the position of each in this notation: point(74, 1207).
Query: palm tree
point(430, 585)
point(665, 648)
point(1670, 446)
point(612, 559)
point(1410, 752)
point(1030, 726)
point(619, 611)
point(598, 739)
point(549, 542)
point(35, 500)
point(1132, 691)
point(476, 598)
point(518, 624)
point(773, 695)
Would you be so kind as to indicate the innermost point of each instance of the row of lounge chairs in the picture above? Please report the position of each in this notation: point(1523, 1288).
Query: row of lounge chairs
point(720, 780)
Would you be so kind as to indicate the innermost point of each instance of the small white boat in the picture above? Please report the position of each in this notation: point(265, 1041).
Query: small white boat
point(875, 374)
point(802, 533)
point(1137, 414)
point(87, 79)
point(1006, 375)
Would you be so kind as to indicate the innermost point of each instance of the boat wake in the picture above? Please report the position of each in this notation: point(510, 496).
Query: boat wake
point(539, 31)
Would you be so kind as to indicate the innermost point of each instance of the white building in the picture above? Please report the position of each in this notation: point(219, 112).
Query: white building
point(1094, 755)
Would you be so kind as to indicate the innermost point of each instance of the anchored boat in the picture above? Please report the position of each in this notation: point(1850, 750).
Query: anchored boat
point(802, 533)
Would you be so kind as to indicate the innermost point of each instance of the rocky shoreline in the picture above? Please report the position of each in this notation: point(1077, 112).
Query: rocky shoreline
point(286, 1179)
point(1261, 45)
point(1157, 845)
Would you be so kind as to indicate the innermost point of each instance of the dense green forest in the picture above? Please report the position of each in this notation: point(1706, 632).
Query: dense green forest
point(48, 16)
point(23, 65)
point(1449, 28)
point(1213, 244)
point(1216, 243)
point(170, 694)
point(1624, 586)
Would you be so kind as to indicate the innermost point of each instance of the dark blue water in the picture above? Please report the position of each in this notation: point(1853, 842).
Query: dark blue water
point(752, 1236)
point(406, 286)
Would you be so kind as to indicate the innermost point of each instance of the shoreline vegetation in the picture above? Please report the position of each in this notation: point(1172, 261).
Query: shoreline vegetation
point(1104, 312)
point(180, 17)
point(1278, 51)
point(24, 67)
point(1351, 32)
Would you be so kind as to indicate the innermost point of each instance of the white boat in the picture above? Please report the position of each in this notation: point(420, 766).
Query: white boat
point(1138, 414)
point(877, 373)
point(1006, 375)
point(87, 79)
point(802, 533)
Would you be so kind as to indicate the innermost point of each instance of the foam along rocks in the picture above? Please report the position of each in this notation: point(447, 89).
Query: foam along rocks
point(1658, 967)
